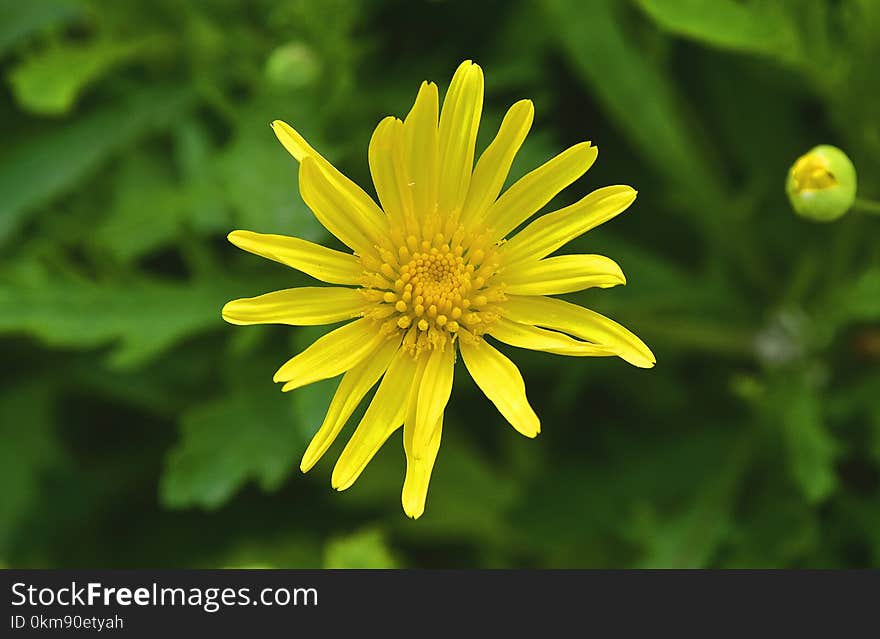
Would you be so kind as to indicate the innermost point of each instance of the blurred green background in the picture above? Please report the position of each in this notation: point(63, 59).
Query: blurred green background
point(138, 429)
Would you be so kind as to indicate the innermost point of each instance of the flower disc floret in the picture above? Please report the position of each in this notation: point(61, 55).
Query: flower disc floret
point(435, 291)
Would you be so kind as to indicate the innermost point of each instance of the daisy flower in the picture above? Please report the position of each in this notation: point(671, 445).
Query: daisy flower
point(434, 270)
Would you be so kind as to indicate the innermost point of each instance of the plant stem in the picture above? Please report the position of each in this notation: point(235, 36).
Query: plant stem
point(866, 206)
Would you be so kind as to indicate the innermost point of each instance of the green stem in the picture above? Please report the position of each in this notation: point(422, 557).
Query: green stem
point(866, 206)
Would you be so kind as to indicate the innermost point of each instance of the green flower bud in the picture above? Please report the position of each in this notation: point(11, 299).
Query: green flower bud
point(293, 66)
point(821, 184)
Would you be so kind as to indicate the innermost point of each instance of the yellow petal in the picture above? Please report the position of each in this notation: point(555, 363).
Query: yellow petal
point(421, 150)
point(331, 355)
point(329, 188)
point(580, 322)
point(384, 415)
point(418, 470)
point(500, 380)
point(434, 391)
point(494, 164)
point(534, 190)
point(351, 390)
point(549, 232)
point(539, 339)
point(304, 306)
point(313, 259)
point(342, 207)
point(295, 144)
point(459, 121)
point(389, 174)
point(562, 274)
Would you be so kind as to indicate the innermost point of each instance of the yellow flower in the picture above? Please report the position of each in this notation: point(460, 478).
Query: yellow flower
point(431, 275)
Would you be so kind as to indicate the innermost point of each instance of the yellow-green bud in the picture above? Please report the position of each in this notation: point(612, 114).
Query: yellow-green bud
point(821, 184)
point(293, 65)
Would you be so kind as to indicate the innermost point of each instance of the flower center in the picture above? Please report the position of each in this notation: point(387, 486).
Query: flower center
point(434, 291)
point(811, 173)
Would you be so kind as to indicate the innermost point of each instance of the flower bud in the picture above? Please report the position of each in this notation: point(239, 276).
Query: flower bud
point(821, 184)
point(293, 66)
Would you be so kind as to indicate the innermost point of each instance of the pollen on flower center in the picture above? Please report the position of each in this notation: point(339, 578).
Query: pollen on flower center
point(434, 291)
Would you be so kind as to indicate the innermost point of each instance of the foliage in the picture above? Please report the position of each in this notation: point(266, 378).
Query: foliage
point(140, 430)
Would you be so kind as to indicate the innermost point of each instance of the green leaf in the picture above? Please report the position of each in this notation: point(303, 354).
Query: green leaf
point(260, 180)
point(637, 95)
point(250, 433)
point(756, 26)
point(47, 164)
point(300, 550)
point(639, 490)
point(49, 81)
point(156, 204)
point(29, 448)
point(141, 318)
point(773, 530)
point(363, 549)
point(691, 538)
point(253, 432)
point(810, 447)
point(146, 212)
point(858, 301)
point(20, 19)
